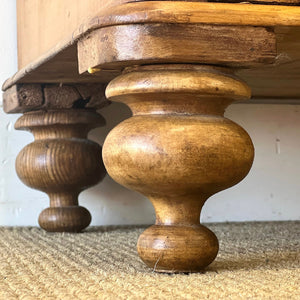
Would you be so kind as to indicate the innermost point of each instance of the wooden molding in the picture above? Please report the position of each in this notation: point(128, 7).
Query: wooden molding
point(121, 46)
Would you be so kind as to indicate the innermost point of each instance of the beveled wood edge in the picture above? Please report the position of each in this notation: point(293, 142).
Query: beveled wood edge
point(171, 12)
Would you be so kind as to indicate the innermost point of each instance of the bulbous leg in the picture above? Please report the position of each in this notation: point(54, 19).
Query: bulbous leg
point(178, 150)
point(177, 248)
point(178, 242)
point(61, 162)
point(71, 218)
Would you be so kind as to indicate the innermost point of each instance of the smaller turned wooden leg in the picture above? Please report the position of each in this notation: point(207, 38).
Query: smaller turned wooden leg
point(61, 162)
point(178, 150)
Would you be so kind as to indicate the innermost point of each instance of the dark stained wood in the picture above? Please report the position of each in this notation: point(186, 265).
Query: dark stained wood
point(21, 97)
point(119, 46)
point(61, 162)
point(178, 150)
point(74, 96)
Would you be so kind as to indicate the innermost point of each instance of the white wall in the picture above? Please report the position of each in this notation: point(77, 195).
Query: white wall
point(270, 192)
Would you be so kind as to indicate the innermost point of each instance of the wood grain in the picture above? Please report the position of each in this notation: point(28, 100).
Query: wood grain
point(177, 150)
point(36, 25)
point(59, 65)
point(61, 162)
point(194, 13)
point(22, 98)
point(274, 2)
point(120, 46)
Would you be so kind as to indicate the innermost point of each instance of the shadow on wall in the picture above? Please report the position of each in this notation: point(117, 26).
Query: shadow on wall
point(115, 204)
point(114, 114)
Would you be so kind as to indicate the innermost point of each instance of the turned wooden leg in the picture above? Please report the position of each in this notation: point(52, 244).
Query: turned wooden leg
point(178, 150)
point(61, 162)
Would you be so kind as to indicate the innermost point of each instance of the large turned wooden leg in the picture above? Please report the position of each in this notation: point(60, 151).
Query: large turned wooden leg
point(178, 150)
point(61, 162)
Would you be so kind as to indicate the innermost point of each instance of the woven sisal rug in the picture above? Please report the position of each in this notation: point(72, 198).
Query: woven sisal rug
point(255, 261)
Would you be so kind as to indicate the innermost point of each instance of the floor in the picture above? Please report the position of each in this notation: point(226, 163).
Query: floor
point(255, 261)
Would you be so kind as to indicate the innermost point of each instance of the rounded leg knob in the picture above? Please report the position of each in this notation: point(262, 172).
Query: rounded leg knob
point(177, 248)
point(65, 219)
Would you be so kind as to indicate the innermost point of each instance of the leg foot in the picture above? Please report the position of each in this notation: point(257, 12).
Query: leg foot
point(65, 219)
point(61, 162)
point(177, 248)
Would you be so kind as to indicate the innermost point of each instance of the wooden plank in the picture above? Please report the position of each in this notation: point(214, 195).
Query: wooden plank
point(117, 47)
point(43, 23)
point(277, 81)
point(59, 65)
point(196, 13)
point(274, 2)
point(21, 98)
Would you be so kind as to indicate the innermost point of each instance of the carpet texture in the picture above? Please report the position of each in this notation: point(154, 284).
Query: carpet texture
point(255, 261)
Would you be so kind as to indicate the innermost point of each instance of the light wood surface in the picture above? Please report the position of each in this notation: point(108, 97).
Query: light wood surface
point(278, 81)
point(196, 13)
point(117, 47)
point(44, 23)
point(178, 150)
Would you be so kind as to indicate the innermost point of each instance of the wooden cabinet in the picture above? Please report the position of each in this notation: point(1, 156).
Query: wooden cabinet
point(43, 23)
